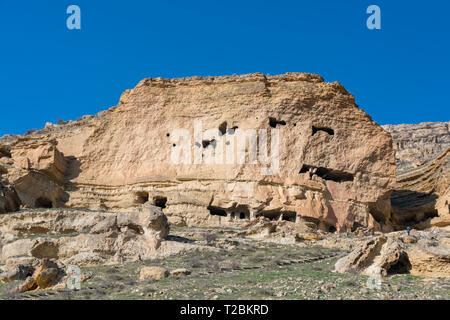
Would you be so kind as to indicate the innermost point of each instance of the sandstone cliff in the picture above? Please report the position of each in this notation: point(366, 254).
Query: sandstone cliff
point(422, 195)
point(415, 144)
point(325, 160)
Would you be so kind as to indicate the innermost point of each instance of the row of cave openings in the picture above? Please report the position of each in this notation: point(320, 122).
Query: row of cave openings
point(273, 123)
point(241, 212)
point(144, 197)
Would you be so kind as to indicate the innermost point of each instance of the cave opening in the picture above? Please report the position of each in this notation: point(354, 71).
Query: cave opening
point(206, 143)
point(328, 174)
point(273, 122)
point(324, 129)
point(141, 197)
point(332, 229)
point(270, 214)
point(289, 216)
point(223, 128)
point(403, 265)
point(160, 201)
point(216, 211)
point(43, 202)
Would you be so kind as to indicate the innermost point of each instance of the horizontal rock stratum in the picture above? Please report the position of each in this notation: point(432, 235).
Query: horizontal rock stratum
point(324, 159)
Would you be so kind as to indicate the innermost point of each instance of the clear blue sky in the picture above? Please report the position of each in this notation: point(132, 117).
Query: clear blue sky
point(399, 74)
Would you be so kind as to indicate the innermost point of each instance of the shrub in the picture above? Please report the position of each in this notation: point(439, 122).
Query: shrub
point(209, 237)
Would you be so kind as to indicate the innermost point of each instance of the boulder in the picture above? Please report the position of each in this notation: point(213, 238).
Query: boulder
point(375, 256)
point(180, 272)
point(153, 273)
point(46, 275)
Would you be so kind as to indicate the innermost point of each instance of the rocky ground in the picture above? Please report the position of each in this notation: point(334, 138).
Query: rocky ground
point(238, 265)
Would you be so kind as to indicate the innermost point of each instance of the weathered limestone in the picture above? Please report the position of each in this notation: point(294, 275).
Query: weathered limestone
point(335, 165)
point(83, 238)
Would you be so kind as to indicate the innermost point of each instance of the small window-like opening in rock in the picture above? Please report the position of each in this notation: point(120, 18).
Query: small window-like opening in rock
point(174, 145)
point(223, 127)
point(141, 197)
point(327, 130)
point(206, 143)
point(243, 211)
point(289, 216)
point(294, 124)
point(332, 229)
point(43, 202)
point(167, 134)
point(274, 122)
point(216, 211)
point(160, 201)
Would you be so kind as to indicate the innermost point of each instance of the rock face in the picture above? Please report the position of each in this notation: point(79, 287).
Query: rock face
point(31, 175)
point(311, 153)
point(422, 195)
point(83, 238)
point(416, 144)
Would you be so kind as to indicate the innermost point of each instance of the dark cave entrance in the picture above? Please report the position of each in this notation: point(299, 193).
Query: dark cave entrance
point(43, 202)
point(402, 266)
point(142, 197)
point(160, 201)
point(289, 216)
point(216, 211)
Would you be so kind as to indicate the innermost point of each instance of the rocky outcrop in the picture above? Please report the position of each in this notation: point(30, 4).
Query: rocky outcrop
point(31, 175)
point(416, 144)
point(47, 274)
point(82, 238)
point(422, 196)
point(311, 153)
point(375, 256)
point(428, 255)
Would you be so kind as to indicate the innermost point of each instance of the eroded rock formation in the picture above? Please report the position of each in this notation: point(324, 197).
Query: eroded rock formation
point(422, 195)
point(416, 144)
point(82, 238)
point(335, 166)
point(31, 175)
point(424, 253)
